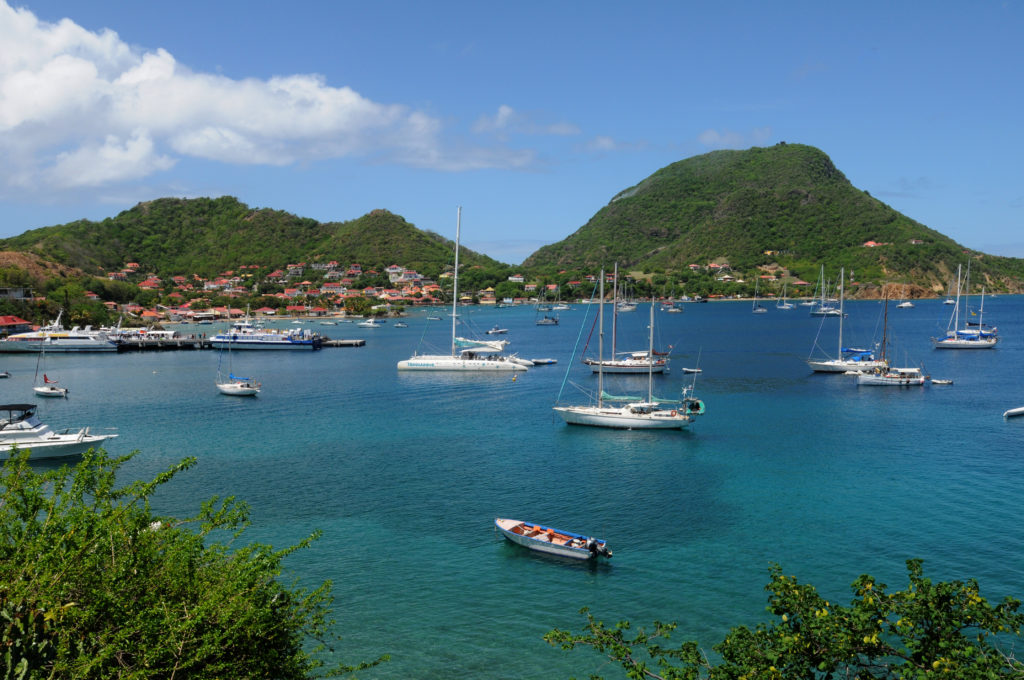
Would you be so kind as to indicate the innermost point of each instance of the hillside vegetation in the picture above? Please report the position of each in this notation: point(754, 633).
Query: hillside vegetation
point(207, 236)
point(785, 210)
point(787, 204)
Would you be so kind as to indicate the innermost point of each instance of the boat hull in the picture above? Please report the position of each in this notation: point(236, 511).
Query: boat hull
point(449, 363)
point(621, 418)
point(265, 344)
point(1019, 411)
point(77, 345)
point(636, 367)
point(57, 446)
point(842, 366)
point(238, 389)
point(966, 343)
point(50, 392)
point(549, 540)
point(891, 380)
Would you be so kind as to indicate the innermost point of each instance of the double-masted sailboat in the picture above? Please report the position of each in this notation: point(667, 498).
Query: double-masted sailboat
point(627, 412)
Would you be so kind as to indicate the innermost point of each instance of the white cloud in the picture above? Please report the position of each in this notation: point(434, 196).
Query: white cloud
point(729, 139)
point(508, 120)
point(114, 160)
point(80, 108)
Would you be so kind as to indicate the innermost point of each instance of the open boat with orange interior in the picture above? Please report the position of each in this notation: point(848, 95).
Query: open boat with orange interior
point(553, 541)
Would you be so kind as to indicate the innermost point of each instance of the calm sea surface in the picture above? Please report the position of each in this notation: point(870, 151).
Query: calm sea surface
point(405, 473)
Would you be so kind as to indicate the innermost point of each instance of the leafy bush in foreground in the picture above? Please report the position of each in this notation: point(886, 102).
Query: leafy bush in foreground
point(93, 585)
point(929, 630)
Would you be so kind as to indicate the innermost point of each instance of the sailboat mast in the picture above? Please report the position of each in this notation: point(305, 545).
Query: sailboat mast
point(615, 308)
point(956, 312)
point(842, 279)
point(650, 357)
point(885, 325)
point(455, 286)
point(600, 344)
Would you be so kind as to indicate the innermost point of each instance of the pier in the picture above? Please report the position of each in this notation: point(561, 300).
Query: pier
point(192, 342)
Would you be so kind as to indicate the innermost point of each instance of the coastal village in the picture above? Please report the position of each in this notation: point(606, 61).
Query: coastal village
point(322, 289)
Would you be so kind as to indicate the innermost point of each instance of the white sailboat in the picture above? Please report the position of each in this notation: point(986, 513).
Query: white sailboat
point(966, 337)
point(474, 358)
point(634, 413)
point(824, 307)
point(783, 303)
point(636, 361)
point(847, 358)
point(890, 376)
point(48, 388)
point(757, 307)
point(904, 303)
point(233, 385)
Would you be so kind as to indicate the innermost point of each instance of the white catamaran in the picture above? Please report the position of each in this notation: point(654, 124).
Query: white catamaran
point(480, 356)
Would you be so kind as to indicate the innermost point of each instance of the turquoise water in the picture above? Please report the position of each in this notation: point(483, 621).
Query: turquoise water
point(405, 473)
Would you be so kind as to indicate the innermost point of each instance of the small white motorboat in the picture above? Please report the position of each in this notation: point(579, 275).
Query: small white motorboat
point(5, 374)
point(552, 541)
point(941, 381)
point(497, 331)
point(20, 427)
point(544, 362)
point(693, 370)
point(1019, 411)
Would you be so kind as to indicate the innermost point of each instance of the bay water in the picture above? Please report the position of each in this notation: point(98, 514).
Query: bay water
point(404, 473)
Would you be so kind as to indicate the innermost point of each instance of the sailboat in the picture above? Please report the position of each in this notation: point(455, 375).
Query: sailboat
point(467, 358)
point(234, 385)
point(634, 413)
point(783, 303)
point(49, 388)
point(847, 358)
point(637, 361)
point(824, 307)
point(966, 337)
point(887, 375)
point(757, 307)
point(904, 304)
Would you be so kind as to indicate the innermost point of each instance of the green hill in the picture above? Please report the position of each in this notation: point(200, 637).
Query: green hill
point(210, 235)
point(787, 204)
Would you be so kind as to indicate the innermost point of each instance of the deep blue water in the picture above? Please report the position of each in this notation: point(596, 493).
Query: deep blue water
point(405, 473)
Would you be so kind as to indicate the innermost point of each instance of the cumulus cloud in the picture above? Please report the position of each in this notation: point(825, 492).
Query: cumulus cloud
point(83, 109)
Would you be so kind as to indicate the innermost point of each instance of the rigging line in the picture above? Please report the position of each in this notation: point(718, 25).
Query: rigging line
point(821, 324)
point(572, 359)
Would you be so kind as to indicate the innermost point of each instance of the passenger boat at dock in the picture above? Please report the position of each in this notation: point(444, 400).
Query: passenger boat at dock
point(245, 334)
point(54, 338)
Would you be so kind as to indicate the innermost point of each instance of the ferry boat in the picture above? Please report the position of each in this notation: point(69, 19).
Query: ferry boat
point(244, 334)
point(54, 338)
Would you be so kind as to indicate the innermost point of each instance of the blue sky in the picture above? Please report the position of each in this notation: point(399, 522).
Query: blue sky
point(529, 115)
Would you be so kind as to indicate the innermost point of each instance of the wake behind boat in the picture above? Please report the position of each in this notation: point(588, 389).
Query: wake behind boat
point(19, 426)
point(552, 541)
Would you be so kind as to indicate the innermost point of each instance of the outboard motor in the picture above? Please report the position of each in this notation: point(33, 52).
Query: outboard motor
point(596, 548)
